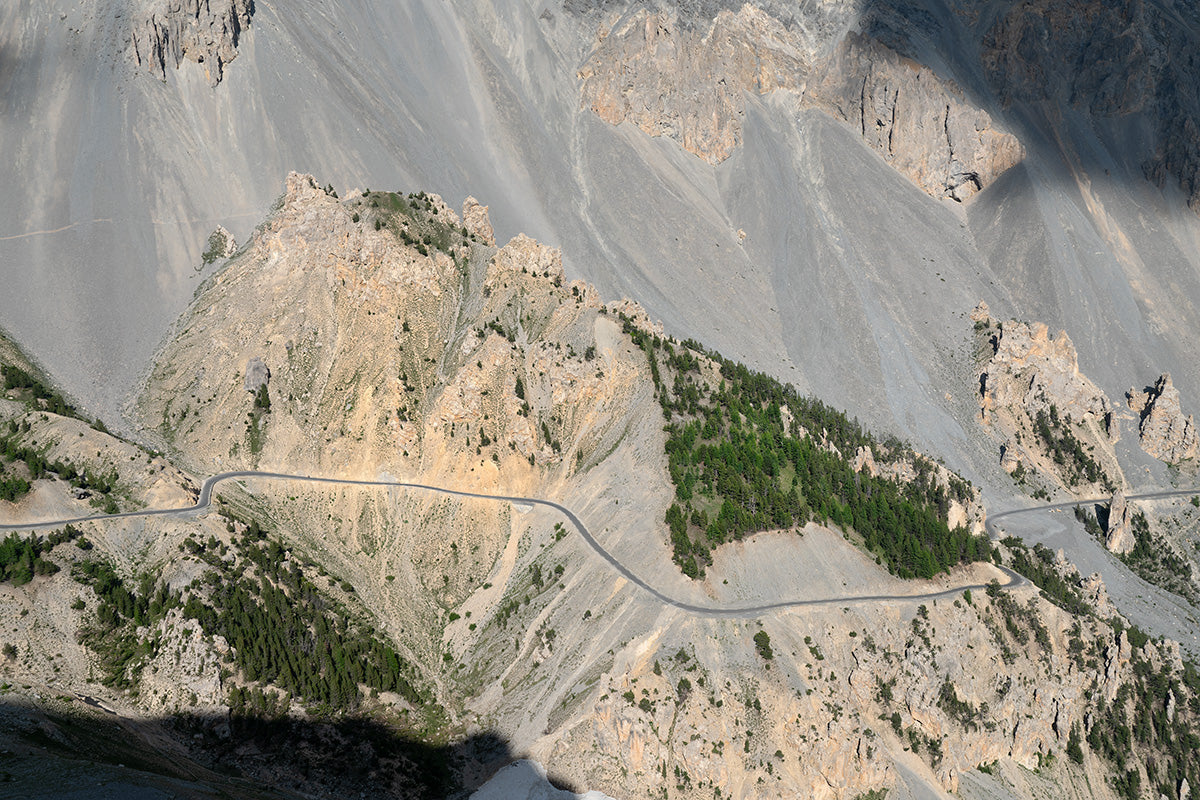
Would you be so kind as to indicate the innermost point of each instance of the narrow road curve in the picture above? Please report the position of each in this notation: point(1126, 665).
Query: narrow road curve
point(204, 502)
point(1161, 495)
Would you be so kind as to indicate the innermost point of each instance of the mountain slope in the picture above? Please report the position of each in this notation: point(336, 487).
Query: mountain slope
point(419, 350)
point(823, 216)
point(826, 245)
point(467, 613)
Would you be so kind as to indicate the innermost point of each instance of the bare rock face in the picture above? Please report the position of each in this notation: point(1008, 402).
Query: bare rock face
point(477, 222)
point(637, 315)
point(526, 254)
point(1032, 370)
point(688, 80)
point(373, 362)
point(1116, 658)
point(257, 375)
point(165, 32)
point(1165, 432)
point(683, 81)
point(864, 459)
point(1119, 534)
point(918, 122)
point(222, 243)
point(1111, 59)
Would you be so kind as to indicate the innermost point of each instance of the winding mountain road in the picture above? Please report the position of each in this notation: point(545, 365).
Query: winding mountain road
point(204, 502)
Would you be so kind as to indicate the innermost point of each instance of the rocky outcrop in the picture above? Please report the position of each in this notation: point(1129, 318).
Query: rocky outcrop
point(221, 245)
point(1051, 419)
point(1010, 456)
point(1119, 536)
point(165, 32)
point(257, 375)
point(1116, 659)
point(1095, 592)
point(1031, 370)
point(919, 123)
point(1165, 432)
point(1112, 60)
point(395, 338)
point(681, 70)
point(688, 80)
point(964, 503)
point(864, 459)
point(477, 222)
point(936, 675)
point(636, 314)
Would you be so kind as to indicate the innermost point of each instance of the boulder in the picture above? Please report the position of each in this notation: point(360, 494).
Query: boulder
point(257, 375)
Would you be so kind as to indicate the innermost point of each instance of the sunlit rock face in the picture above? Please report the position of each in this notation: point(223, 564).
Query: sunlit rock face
point(166, 32)
point(1164, 431)
point(676, 75)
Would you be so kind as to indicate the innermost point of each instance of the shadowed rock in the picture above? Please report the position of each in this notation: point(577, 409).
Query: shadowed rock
point(920, 124)
point(1112, 60)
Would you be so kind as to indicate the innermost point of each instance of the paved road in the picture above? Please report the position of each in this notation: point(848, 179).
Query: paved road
point(204, 501)
point(993, 518)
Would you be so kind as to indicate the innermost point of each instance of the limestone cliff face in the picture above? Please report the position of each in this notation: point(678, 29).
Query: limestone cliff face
point(1165, 432)
point(689, 82)
point(682, 71)
point(165, 32)
point(919, 123)
point(1112, 60)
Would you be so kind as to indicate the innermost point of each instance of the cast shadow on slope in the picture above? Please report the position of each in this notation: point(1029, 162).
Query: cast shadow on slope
point(65, 752)
point(1121, 71)
point(1085, 85)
